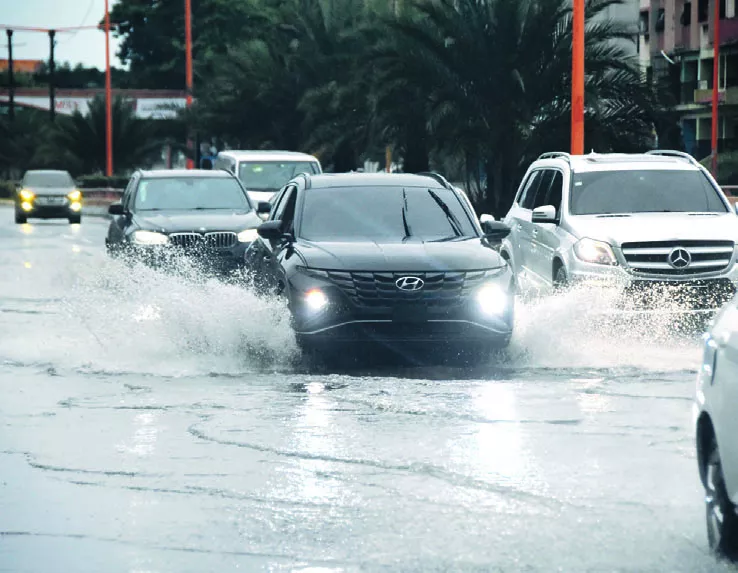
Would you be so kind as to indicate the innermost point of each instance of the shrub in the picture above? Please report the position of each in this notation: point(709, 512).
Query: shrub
point(94, 181)
point(7, 189)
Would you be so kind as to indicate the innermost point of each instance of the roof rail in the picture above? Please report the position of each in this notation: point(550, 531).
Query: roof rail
point(554, 155)
point(438, 177)
point(673, 153)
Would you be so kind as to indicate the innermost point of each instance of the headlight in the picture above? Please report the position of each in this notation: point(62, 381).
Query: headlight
point(75, 195)
point(149, 238)
point(315, 299)
point(591, 251)
point(27, 195)
point(247, 236)
point(493, 299)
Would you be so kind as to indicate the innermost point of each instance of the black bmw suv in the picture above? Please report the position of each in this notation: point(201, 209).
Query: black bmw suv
point(393, 259)
point(204, 215)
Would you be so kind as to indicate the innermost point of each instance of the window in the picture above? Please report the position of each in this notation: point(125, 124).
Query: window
point(660, 20)
point(703, 10)
point(384, 214)
point(543, 187)
point(271, 175)
point(281, 206)
point(528, 195)
point(644, 191)
point(643, 23)
point(190, 193)
point(730, 9)
point(46, 179)
point(128, 193)
point(555, 191)
point(686, 18)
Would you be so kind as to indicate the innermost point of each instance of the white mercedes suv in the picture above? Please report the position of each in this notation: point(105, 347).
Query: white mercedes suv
point(643, 220)
point(717, 429)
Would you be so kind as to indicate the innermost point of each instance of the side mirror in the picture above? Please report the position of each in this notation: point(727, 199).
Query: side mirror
point(263, 208)
point(495, 231)
point(271, 230)
point(116, 209)
point(486, 218)
point(545, 214)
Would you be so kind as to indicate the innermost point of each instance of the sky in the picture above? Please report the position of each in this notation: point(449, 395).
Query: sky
point(85, 46)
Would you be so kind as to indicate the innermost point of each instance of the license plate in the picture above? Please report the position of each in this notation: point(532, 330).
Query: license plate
point(50, 200)
point(410, 313)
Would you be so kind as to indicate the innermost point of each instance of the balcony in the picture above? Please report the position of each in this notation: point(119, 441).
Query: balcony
point(726, 96)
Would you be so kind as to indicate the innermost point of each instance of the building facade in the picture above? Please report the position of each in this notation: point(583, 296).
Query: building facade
point(676, 46)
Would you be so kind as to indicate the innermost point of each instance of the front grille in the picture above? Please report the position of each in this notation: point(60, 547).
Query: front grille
point(653, 257)
point(379, 289)
point(214, 240)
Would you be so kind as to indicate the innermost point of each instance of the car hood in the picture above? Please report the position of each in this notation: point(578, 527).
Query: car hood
point(51, 191)
point(467, 255)
point(656, 227)
point(198, 221)
point(257, 196)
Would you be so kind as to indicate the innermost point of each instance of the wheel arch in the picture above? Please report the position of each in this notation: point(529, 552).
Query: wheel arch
point(557, 263)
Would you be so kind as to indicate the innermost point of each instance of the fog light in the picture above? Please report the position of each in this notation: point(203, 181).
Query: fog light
point(315, 299)
point(493, 300)
point(26, 206)
point(75, 206)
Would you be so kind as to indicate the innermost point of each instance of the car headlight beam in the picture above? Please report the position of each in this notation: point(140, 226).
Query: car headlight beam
point(247, 236)
point(493, 299)
point(27, 195)
point(75, 196)
point(597, 252)
point(149, 238)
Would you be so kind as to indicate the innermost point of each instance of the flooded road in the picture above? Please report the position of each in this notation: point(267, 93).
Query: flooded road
point(148, 423)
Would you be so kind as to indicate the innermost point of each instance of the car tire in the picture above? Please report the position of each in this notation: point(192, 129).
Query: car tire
point(720, 512)
point(561, 280)
point(20, 218)
point(75, 219)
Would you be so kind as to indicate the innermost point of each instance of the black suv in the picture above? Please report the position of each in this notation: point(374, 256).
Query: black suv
point(201, 214)
point(394, 259)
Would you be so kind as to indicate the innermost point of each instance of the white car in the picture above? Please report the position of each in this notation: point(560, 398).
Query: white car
point(716, 423)
point(648, 221)
point(263, 173)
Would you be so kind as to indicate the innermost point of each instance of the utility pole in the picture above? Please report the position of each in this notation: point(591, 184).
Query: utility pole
point(577, 79)
point(108, 99)
point(715, 88)
point(52, 70)
point(188, 74)
point(11, 77)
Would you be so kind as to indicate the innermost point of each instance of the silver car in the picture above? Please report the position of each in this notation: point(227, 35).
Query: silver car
point(641, 220)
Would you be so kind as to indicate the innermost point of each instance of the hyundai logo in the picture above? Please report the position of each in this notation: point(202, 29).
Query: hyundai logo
point(679, 258)
point(409, 283)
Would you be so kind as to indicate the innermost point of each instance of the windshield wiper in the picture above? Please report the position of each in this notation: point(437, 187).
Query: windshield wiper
point(408, 232)
point(453, 221)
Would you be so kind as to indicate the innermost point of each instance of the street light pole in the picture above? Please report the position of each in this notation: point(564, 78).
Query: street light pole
point(188, 66)
point(577, 79)
point(715, 88)
point(108, 99)
point(52, 70)
point(11, 77)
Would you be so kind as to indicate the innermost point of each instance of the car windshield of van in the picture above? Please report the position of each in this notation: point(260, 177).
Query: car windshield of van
point(384, 214)
point(643, 191)
point(272, 175)
point(48, 179)
point(190, 193)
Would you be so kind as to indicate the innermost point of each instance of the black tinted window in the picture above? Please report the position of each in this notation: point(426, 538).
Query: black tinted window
point(555, 191)
point(48, 179)
point(543, 186)
point(387, 214)
point(643, 191)
point(184, 193)
point(271, 175)
point(527, 197)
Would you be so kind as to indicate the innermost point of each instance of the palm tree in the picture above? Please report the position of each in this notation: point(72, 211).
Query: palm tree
point(77, 142)
point(493, 78)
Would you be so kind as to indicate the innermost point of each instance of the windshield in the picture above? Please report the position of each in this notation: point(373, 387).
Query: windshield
point(272, 175)
point(643, 191)
point(185, 193)
point(384, 214)
point(48, 179)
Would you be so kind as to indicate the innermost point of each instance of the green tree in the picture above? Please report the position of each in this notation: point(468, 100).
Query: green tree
point(20, 140)
point(77, 142)
point(493, 78)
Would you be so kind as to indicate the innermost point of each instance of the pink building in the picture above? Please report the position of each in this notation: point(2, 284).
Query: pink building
point(676, 45)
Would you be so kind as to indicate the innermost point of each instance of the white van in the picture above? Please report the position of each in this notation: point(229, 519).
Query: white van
point(263, 173)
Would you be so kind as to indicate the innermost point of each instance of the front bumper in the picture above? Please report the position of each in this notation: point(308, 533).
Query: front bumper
point(61, 211)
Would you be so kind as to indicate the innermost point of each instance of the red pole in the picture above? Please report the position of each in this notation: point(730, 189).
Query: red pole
point(577, 79)
point(108, 99)
point(715, 88)
point(188, 63)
